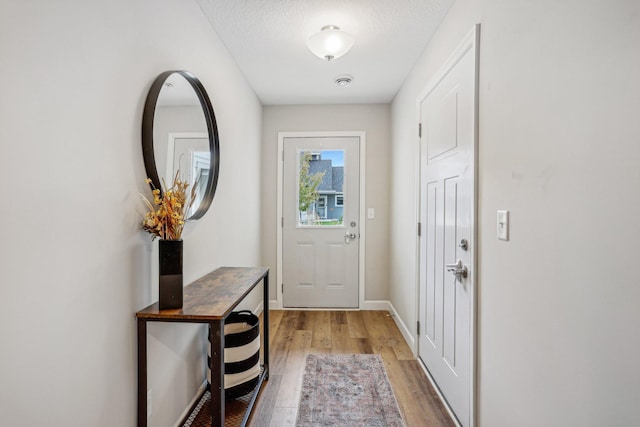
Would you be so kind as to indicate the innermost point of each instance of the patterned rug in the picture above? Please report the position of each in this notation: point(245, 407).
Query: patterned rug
point(347, 390)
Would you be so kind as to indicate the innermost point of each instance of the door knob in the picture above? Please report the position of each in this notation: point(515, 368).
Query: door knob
point(458, 269)
point(349, 237)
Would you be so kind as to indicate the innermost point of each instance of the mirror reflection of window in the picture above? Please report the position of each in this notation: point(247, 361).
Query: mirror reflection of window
point(199, 176)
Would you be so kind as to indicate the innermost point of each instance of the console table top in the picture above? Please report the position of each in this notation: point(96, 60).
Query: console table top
point(212, 297)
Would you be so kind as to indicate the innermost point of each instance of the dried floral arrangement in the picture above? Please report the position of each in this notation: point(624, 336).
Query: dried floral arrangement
point(165, 217)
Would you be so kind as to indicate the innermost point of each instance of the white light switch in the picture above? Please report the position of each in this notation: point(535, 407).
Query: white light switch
point(371, 214)
point(503, 225)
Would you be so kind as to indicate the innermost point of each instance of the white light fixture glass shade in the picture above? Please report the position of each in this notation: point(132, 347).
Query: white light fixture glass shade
point(330, 43)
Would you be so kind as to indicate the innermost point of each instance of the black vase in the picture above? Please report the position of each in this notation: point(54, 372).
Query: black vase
point(170, 283)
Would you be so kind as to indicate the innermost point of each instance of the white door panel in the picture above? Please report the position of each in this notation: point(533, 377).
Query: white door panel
point(430, 259)
point(447, 212)
point(320, 262)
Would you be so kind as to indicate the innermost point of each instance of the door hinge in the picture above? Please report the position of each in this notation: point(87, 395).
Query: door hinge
point(282, 221)
point(419, 229)
point(282, 287)
point(418, 327)
point(419, 130)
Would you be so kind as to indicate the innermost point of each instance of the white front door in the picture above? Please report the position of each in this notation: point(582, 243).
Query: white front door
point(321, 196)
point(447, 215)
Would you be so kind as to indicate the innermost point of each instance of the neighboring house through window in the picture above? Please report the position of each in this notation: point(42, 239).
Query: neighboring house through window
point(330, 203)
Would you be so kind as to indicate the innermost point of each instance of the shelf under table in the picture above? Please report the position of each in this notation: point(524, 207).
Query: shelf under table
point(237, 410)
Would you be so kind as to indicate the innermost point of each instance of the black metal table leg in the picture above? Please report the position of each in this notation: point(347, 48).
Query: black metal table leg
point(265, 318)
point(142, 373)
point(216, 331)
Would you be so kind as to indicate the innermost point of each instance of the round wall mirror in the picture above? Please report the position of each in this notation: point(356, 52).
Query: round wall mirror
point(180, 136)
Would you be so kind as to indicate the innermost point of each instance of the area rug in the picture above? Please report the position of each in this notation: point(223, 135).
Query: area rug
point(347, 390)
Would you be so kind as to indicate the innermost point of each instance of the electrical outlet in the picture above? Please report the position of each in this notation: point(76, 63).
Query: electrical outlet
point(149, 403)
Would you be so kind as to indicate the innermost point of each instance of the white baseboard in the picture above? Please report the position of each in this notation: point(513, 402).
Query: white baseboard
point(364, 305)
point(440, 395)
point(406, 332)
point(258, 308)
point(375, 305)
point(191, 404)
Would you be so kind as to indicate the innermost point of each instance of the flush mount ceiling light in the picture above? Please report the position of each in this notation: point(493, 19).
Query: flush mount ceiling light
point(330, 43)
point(344, 80)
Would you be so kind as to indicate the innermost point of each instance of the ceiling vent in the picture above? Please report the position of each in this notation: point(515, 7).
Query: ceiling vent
point(344, 81)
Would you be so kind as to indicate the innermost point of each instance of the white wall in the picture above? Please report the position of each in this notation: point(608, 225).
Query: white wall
point(75, 266)
point(559, 148)
point(374, 120)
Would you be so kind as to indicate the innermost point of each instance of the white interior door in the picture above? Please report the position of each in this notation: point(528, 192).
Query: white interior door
point(321, 211)
point(447, 215)
point(189, 154)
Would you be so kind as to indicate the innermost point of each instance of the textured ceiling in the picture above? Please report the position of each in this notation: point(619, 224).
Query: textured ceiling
point(267, 38)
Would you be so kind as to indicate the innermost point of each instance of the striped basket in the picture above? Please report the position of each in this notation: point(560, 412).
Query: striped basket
point(241, 354)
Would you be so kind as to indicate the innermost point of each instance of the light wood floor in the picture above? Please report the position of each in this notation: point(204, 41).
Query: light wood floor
point(294, 334)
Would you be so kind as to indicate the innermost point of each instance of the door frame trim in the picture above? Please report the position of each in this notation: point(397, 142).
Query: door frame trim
point(171, 144)
point(470, 42)
point(279, 199)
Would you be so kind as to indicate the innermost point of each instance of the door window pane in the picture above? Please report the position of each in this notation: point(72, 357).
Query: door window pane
point(320, 188)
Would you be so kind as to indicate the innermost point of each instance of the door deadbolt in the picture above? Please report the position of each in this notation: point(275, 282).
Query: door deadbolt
point(464, 244)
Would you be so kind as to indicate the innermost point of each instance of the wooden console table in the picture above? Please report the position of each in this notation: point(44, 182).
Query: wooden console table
point(209, 299)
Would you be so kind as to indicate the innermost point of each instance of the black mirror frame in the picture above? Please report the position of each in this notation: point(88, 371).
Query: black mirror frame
point(212, 129)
